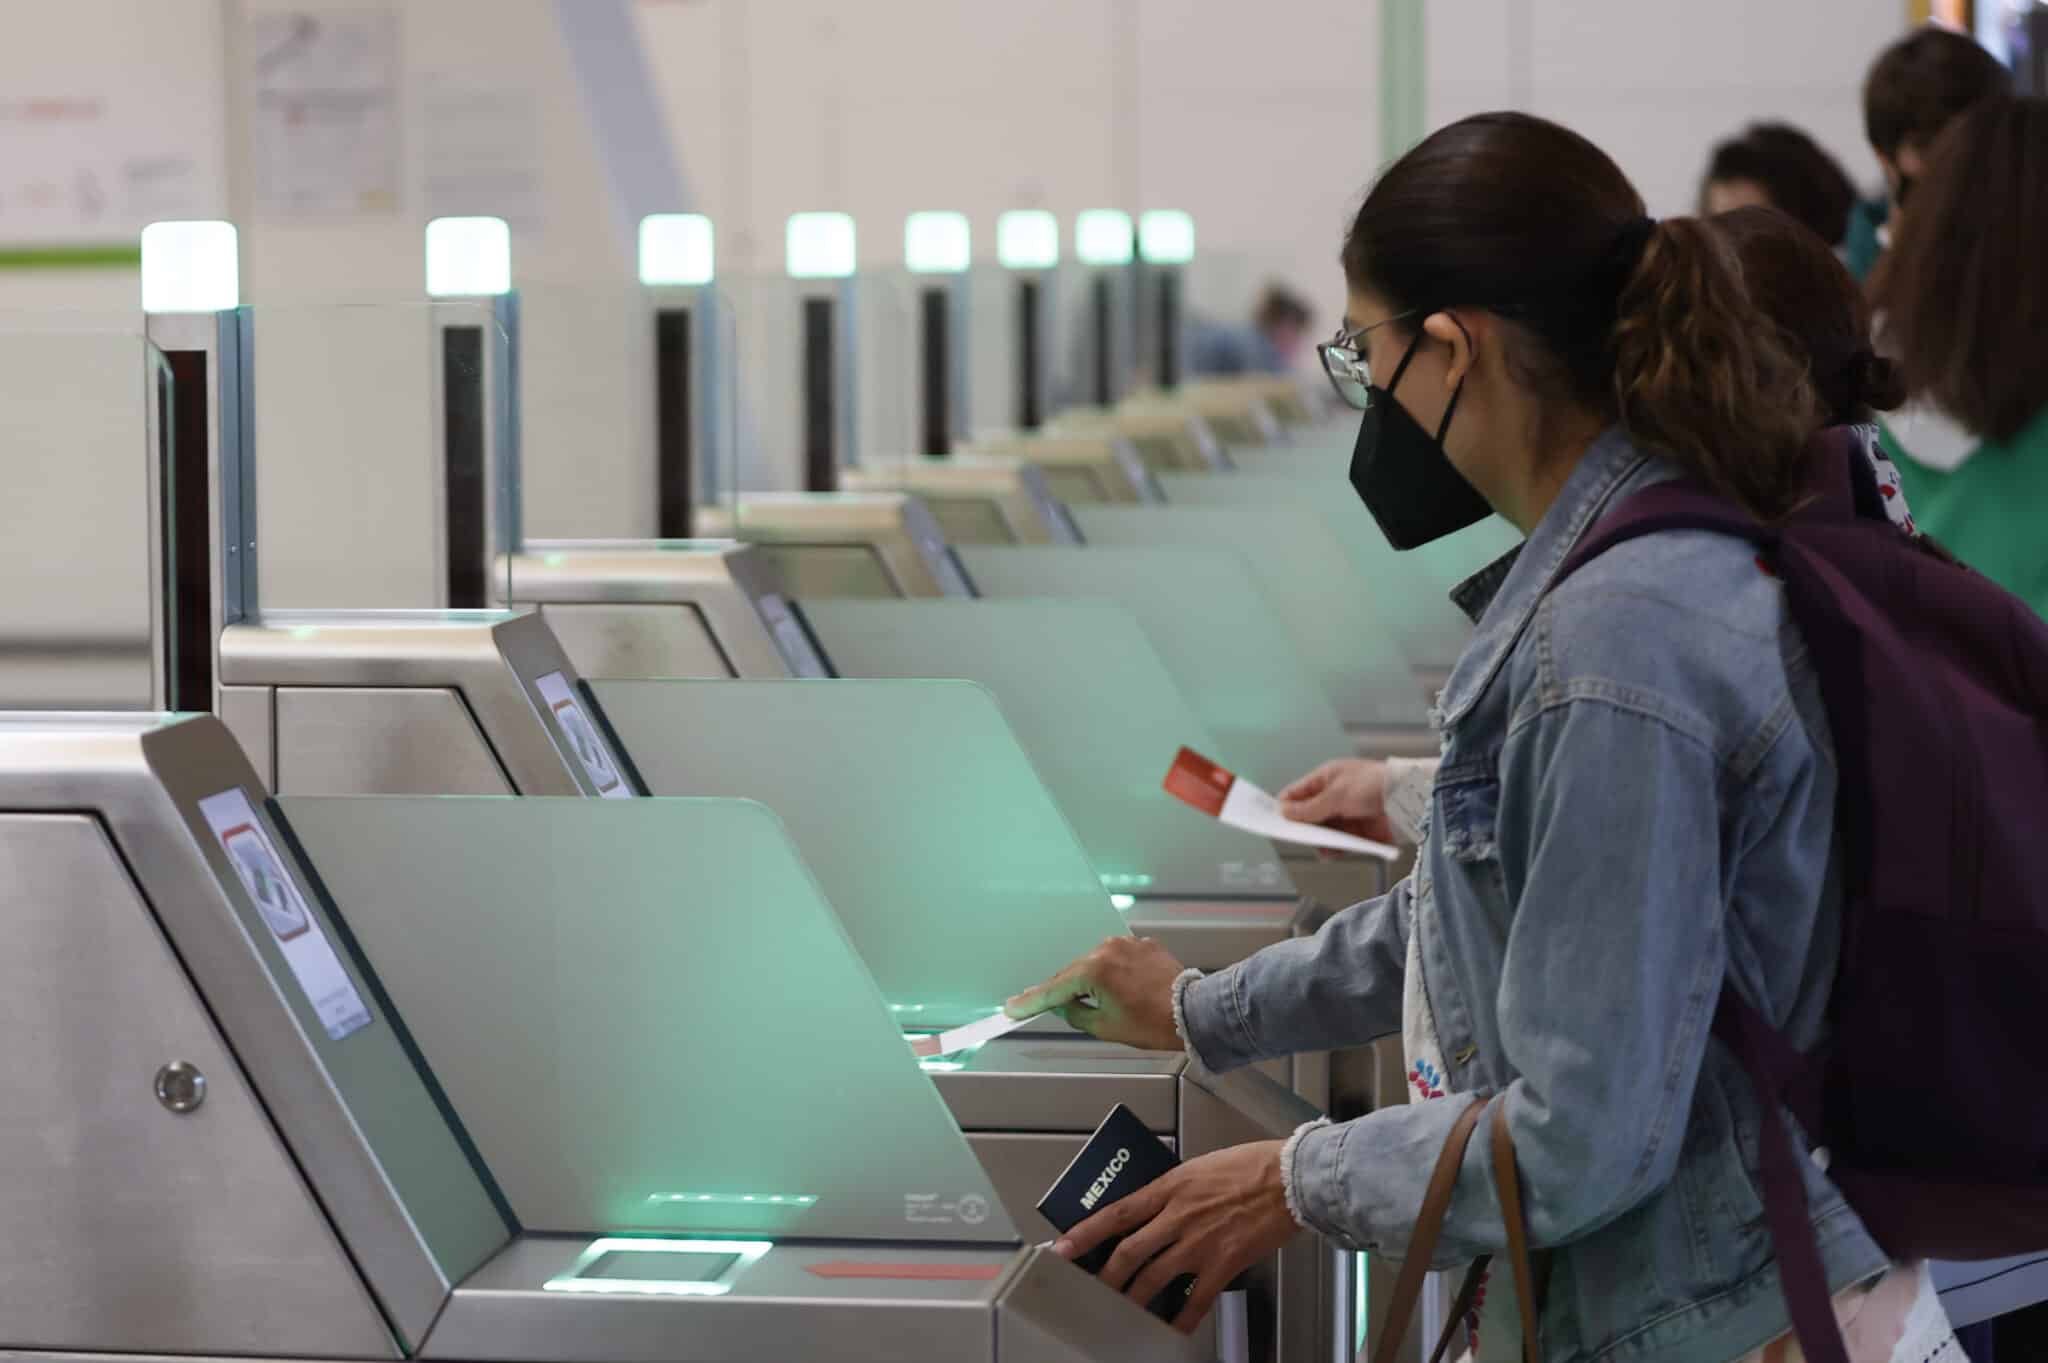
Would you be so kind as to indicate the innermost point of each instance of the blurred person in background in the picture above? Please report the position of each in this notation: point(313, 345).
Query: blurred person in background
point(1775, 165)
point(1963, 293)
point(1272, 343)
point(1915, 89)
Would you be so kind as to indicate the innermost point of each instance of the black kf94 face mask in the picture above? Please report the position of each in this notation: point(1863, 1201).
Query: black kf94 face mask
point(1401, 473)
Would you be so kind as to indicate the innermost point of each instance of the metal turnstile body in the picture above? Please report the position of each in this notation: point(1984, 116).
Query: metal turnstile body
point(1079, 467)
point(663, 608)
point(393, 703)
point(976, 499)
point(226, 1142)
point(815, 544)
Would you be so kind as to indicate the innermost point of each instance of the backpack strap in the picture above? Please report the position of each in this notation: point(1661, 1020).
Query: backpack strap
point(1764, 1055)
point(1676, 505)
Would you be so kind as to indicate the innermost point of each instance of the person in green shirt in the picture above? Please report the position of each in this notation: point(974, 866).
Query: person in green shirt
point(1915, 88)
point(1963, 293)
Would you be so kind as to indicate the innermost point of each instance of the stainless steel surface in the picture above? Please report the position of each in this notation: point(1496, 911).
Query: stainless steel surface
point(977, 499)
point(488, 659)
point(1023, 1165)
point(1036, 1308)
point(1056, 1084)
point(388, 740)
point(131, 1228)
point(833, 543)
point(638, 641)
point(381, 741)
point(778, 1310)
point(1212, 934)
point(180, 1086)
point(1045, 1317)
point(723, 585)
point(1077, 467)
point(250, 712)
point(361, 1127)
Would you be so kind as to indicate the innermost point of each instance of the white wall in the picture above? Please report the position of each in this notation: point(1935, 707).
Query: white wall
point(1261, 120)
point(1659, 82)
point(111, 115)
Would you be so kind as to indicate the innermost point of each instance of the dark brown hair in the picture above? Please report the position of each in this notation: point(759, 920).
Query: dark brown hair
point(1920, 83)
point(1280, 306)
point(1964, 287)
point(1802, 286)
point(1795, 173)
point(1530, 221)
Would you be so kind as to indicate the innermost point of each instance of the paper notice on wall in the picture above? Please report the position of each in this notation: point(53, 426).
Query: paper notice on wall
point(92, 167)
point(324, 112)
point(1196, 781)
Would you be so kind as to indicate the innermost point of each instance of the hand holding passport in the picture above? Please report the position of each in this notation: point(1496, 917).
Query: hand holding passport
point(1203, 1224)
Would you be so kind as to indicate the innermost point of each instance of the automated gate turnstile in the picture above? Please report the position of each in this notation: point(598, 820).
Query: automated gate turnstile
point(236, 1137)
point(334, 656)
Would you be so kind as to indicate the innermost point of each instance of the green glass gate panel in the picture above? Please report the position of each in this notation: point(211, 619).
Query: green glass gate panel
point(1301, 566)
point(956, 875)
point(1097, 711)
point(1215, 631)
point(1430, 631)
point(1446, 562)
point(645, 1014)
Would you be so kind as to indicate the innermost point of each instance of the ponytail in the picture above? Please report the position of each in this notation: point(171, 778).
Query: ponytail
point(1704, 378)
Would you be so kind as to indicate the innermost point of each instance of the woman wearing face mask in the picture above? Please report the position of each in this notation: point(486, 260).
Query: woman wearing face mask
point(1804, 289)
point(1636, 798)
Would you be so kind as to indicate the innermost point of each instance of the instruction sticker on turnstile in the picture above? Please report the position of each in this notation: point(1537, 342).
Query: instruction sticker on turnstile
point(307, 951)
point(584, 741)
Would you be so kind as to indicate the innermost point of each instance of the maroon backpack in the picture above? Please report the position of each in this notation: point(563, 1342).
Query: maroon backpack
point(1931, 1095)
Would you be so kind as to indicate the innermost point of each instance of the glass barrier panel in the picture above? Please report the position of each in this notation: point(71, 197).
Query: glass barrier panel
point(646, 1015)
point(1446, 562)
point(1216, 632)
point(385, 454)
point(84, 414)
point(1430, 630)
point(588, 381)
point(1303, 569)
point(955, 874)
point(1095, 708)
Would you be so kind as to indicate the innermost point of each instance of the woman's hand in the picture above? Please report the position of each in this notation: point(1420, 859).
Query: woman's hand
point(1348, 794)
point(1213, 1217)
point(1121, 991)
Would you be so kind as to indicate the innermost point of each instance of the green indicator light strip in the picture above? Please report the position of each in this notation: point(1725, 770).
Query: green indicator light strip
point(109, 257)
point(734, 1199)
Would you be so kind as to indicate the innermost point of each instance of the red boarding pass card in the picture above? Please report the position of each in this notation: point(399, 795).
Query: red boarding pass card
point(1195, 780)
point(1224, 795)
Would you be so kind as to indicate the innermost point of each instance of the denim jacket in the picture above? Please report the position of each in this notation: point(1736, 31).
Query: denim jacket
point(1636, 801)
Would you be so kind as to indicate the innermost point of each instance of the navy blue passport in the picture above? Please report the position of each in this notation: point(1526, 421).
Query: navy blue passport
point(1120, 1158)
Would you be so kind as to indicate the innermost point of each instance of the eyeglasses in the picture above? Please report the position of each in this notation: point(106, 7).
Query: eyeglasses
point(1344, 362)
